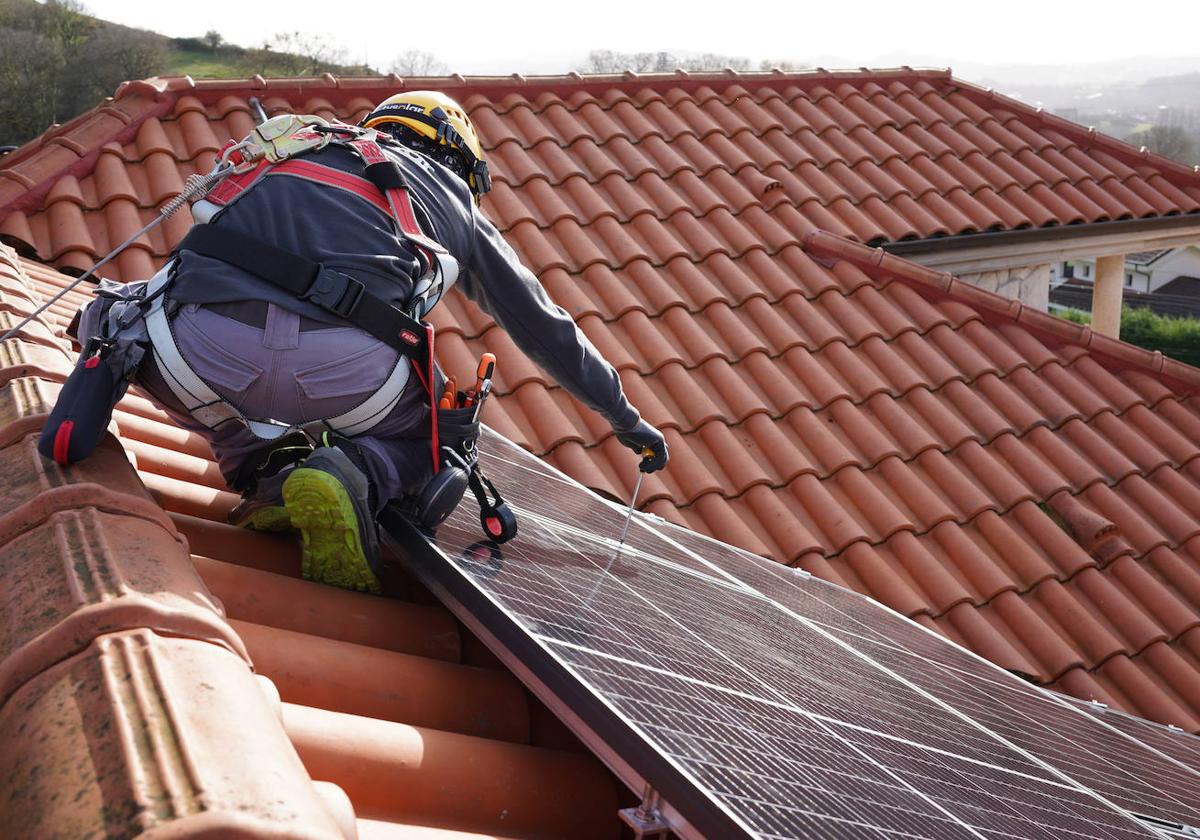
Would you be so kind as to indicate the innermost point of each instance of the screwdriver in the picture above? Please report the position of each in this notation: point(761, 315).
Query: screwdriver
point(647, 452)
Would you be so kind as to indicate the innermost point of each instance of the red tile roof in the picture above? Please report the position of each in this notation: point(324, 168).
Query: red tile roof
point(653, 167)
point(127, 699)
point(1018, 483)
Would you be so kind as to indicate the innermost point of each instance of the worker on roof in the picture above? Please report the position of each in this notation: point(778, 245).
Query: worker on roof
point(286, 328)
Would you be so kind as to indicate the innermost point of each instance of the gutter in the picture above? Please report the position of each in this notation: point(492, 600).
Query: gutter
point(1033, 246)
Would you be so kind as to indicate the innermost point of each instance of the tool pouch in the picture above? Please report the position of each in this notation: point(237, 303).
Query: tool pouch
point(84, 408)
point(456, 430)
point(457, 436)
point(101, 376)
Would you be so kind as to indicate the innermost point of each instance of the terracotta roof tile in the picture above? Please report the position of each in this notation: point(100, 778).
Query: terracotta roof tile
point(1012, 480)
point(844, 149)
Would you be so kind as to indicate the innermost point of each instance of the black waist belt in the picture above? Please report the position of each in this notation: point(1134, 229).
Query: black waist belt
point(336, 293)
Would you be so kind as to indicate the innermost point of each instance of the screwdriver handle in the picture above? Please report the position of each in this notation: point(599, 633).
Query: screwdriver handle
point(450, 395)
point(483, 378)
point(487, 367)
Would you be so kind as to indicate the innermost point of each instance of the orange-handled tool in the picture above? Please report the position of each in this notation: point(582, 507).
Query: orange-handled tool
point(483, 382)
point(487, 366)
point(450, 395)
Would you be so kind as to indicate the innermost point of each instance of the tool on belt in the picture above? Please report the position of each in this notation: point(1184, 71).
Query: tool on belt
point(460, 464)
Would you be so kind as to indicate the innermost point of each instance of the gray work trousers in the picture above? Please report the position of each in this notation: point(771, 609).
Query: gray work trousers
point(283, 372)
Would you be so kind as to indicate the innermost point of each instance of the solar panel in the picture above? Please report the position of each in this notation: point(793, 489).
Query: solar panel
point(757, 701)
point(1134, 765)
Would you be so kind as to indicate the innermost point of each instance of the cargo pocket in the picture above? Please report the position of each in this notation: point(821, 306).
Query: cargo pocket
point(337, 385)
point(226, 372)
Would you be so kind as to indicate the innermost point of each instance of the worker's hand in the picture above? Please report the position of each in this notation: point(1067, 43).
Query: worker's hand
point(649, 441)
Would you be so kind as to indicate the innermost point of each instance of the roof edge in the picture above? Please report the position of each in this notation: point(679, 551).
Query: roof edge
point(1087, 136)
point(1110, 352)
point(115, 120)
point(984, 239)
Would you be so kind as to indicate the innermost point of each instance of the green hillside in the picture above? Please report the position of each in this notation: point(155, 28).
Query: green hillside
point(57, 61)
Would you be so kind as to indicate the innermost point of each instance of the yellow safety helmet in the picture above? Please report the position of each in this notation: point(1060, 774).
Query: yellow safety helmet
point(433, 123)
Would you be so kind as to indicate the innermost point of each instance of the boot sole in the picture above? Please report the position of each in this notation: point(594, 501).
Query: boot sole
point(320, 508)
point(274, 518)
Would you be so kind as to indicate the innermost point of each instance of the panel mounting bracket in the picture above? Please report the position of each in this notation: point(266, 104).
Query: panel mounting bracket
point(645, 820)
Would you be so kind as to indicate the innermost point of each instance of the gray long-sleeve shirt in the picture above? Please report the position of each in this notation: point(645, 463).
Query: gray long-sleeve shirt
point(332, 226)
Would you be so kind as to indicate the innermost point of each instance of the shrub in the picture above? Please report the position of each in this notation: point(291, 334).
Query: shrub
point(1178, 338)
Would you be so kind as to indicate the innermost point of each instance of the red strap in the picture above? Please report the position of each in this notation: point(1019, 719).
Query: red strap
point(402, 210)
point(319, 173)
point(433, 402)
point(62, 442)
point(234, 185)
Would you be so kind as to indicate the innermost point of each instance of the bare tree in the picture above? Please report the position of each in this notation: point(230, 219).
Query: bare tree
point(610, 61)
point(65, 22)
point(113, 54)
point(715, 61)
point(296, 54)
point(786, 65)
point(1171, 141)
point(418, 63)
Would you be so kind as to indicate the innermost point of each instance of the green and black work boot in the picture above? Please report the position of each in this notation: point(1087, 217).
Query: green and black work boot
point(264, 473)
point(328, 500)
point(263, 509)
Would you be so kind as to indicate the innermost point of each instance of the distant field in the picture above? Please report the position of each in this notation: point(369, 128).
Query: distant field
point(204, 64)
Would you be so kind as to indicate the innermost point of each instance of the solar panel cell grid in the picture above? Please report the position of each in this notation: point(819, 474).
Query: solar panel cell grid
point(774, 704)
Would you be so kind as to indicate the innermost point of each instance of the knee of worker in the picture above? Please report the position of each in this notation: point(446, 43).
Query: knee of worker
point(395, 466)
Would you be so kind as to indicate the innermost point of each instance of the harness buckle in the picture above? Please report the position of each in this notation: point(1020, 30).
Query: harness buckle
point(335, 292)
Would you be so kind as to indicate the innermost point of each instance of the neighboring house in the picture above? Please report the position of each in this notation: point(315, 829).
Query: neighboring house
point(1145, 271)
point(1166, 282)
point(1021, 484)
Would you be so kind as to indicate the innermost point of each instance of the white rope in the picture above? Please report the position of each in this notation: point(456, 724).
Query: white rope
point(196, 185)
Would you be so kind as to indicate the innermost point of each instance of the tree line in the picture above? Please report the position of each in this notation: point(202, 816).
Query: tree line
point(56, 61)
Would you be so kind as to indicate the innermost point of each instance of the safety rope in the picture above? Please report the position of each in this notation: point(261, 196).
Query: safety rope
point(194, 188)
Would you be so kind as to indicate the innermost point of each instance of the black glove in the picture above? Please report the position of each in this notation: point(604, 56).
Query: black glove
point(641, 437)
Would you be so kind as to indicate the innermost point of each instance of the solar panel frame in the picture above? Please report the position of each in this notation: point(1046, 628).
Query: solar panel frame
point(606, 732)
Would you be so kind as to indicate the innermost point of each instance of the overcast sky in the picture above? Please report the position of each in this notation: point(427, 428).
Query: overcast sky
point(500, 37)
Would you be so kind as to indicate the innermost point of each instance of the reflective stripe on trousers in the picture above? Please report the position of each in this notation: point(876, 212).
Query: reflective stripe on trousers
point(280, 372)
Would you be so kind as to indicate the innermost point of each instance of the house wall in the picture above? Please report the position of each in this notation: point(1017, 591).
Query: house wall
point(1029, 284)
point(1182, 262)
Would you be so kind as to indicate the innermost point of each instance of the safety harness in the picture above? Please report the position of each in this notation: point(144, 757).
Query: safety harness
point(335, 292)
point(273, 149)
